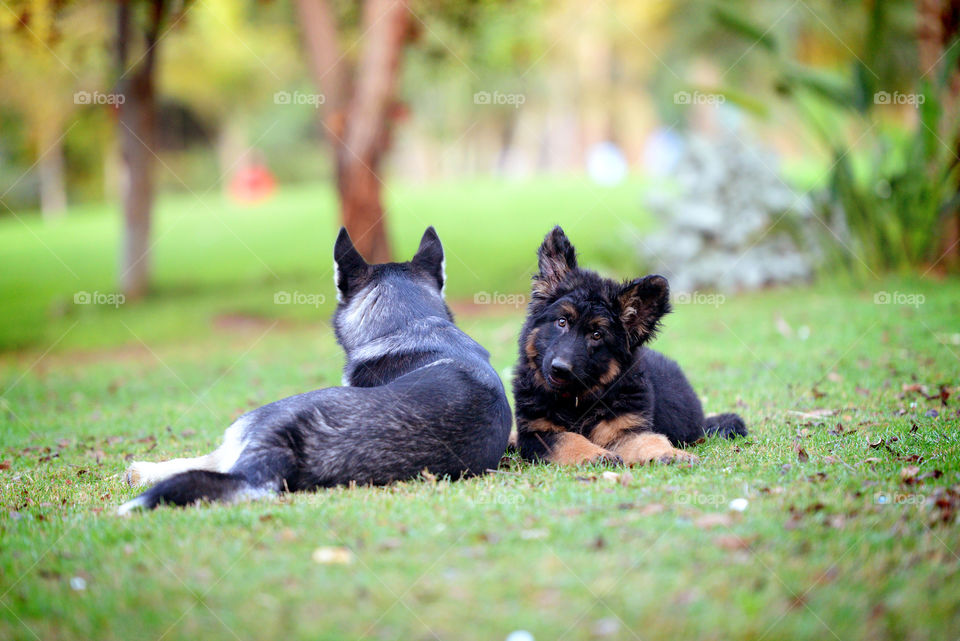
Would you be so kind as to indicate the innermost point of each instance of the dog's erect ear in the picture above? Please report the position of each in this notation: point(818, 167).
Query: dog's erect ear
point(556, 258)
point(643, 302)
point(429, 257)
point(349, 267)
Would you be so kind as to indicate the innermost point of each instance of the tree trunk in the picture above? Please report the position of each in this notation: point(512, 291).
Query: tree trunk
point(359, 127)
point(137, 132)
point(53, 189)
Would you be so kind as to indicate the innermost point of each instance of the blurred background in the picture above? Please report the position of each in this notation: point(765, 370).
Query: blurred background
point(173, 169)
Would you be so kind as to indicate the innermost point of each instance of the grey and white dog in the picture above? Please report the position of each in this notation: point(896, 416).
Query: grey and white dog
point(418, 394)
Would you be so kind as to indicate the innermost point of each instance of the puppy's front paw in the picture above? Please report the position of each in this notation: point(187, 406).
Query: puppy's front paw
point(649, 447)
point(606, 457)
point(679, 456)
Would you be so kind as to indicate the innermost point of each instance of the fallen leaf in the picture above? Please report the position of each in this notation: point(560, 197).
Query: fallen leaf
point(651, 508)
point(332, 556)
point(731, 542)
point(4, 465)
point(802, 455)
point(908, 474)
point(712, 520)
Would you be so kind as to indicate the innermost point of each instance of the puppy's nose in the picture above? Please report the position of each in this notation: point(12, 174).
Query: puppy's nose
point(560, 368)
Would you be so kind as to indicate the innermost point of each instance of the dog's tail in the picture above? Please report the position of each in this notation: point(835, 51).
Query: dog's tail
point(190, 487)
point(724, 425)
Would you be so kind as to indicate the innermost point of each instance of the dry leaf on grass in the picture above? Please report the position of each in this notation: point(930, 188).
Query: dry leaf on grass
point(332, 556)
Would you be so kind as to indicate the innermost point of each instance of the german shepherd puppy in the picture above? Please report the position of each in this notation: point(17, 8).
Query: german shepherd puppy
point(586, 387)
point(418, 394)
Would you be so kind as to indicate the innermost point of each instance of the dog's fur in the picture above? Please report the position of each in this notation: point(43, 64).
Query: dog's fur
point(418, 394)
point(586, 387)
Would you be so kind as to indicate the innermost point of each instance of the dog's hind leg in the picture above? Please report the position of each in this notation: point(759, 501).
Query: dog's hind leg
point(142, 473)
point(724, 426)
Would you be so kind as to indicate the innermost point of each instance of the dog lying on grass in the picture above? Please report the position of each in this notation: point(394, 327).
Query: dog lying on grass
point(418, 394)
point(586, 387)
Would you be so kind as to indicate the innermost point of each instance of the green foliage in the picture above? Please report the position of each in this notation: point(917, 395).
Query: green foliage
point(895, 204)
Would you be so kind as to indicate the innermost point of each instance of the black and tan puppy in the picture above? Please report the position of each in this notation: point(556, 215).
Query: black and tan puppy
point(587, 389)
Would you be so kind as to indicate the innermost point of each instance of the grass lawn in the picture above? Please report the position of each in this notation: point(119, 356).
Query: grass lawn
point(849, 531)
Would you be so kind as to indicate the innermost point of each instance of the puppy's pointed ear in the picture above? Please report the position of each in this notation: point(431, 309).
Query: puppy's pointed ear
point(556, 258)
point(349, 267)
point(643, 302)
point(429, 257)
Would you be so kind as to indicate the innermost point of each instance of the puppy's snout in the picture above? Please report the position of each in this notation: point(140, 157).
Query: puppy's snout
point(561, 368)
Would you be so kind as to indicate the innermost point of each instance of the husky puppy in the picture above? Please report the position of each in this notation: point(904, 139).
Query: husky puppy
point(418, 394)
point(587, 388)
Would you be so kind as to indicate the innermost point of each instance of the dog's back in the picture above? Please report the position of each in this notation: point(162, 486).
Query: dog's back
point(418, 394)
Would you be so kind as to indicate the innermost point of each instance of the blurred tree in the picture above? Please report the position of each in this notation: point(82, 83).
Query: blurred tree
point(43, 56)
point(138, 27)
point(360, 105)
point(225, 65)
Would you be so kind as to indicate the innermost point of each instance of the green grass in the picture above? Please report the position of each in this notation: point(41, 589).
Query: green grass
point(563, 553)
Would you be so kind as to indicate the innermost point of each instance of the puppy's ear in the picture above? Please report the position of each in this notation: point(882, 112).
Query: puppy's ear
point(349, 267)
point(643, 302)
point(556, 258)
point(429, 257)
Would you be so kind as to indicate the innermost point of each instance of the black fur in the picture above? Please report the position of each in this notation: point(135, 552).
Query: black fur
point(584, 359)
point(419, 395)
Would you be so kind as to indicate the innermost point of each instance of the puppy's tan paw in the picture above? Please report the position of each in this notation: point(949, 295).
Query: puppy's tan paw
point(650, 447)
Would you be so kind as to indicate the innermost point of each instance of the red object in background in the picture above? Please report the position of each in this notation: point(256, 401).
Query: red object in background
point(252, 184)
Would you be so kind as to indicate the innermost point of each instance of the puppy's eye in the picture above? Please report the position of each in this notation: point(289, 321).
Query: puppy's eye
point(561, 322)
point(597, 335)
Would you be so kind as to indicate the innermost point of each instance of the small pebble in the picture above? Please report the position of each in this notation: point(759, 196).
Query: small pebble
point(739, 505)
point(78, 583)
point(932, 413)
point(520, 635)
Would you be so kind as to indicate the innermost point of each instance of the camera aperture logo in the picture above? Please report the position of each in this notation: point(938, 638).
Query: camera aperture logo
point(899, 298)
point(497, 98)
point(298, 298)
point(299, 98)
point(112, 299)
point(497, 298)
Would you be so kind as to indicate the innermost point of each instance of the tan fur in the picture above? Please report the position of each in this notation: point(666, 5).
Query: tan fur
point(569, 311)
point(530, 349)
point(649, 447)
point(607, 432)
point(573, 449)
point(543, 425)
point(612, 372)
